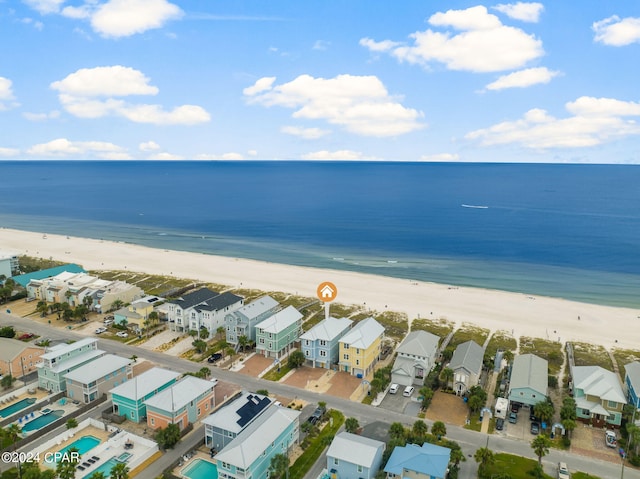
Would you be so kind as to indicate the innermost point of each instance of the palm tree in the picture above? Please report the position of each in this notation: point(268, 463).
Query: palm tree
point(42, 308)
point(220, 331)
point(508, 356)
point(447, 375)
point(67, 469)
point(419, 429)
point(396, 430)
point(119, 471)
point(279, 466)
point(544, 410)
point(13, 433)
point(117, 304)
point(541, 445)
point(351, 425)
point(484, 457)
point(439, 429)
point(98, 475)
point(243, 341)
point(569, 425)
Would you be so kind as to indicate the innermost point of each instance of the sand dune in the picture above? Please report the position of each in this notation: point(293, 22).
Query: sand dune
point(550, 318)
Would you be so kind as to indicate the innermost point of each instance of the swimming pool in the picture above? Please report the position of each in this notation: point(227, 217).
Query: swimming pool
point(200, 469)
point(42, 421)
point(83, 445)
point(105, 468)
point(19, 406)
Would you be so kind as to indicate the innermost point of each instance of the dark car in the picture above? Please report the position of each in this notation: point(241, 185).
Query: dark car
point(215, 357)
point(499, 424)
point(26, 336)
point(513, 417)
point(535, 428)
point(317, 415)
point(532, 416)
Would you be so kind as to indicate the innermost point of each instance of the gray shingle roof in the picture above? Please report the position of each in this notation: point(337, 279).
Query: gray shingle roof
point(327, 329)
point(419, 343)
point(363, 334)
point(12, 348)
point(469, 356)
point(530, 371)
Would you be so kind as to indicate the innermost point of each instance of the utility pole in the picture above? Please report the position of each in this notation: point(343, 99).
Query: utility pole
point(633, 421)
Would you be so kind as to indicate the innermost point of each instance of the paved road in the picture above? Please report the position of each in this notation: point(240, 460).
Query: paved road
point(470, 441)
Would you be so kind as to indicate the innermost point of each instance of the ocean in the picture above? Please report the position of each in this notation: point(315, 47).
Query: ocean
point(570, 231)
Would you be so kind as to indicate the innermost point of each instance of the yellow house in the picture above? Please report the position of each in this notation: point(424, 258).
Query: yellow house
point(360, 348)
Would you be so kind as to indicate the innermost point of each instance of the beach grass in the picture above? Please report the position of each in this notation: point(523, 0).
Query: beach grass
point(625, 356)
point(395, 324)
point(468, 332)
point(440, 327)
point(151, 284)
point(30, 263)
point(585, 354)
point(546, 349)
point(500, 340)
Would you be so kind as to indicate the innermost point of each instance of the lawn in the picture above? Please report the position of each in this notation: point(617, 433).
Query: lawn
point(276, 374)
point(517, 467)
point(549, 350)
point(583, 475)
point(469, 332)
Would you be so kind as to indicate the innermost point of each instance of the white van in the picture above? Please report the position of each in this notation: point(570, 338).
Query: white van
point(408, 391)
point(393, 389)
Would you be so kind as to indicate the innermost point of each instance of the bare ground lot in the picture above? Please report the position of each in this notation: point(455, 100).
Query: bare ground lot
point(448, 408)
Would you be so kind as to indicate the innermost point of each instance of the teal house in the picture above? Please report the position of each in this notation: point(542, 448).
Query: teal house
point(61, 359)
point(276, 334)
point(275, 431)
point(129, 398)
point(529, 379)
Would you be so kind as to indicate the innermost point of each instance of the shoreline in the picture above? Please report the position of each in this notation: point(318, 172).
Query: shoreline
point(522, 314)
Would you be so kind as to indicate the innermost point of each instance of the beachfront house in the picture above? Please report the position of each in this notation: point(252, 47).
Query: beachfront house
point(9, 264)
point(416, 356)
point(137, 313)
point(249, 455)
point(418, 462)
point(354, 457)
point(24, 280)
point(59, 360)
point(96, 378)
point(632, 382)
point(17, 358)
point(599, 396)
point(321, 344)
point(183, 403)
point(243, 321)
point(276, 335)
point(224, 425)
point(466, 364)
point(360, 348)
point(129, 399)
point(202, 309)
point(529, 380)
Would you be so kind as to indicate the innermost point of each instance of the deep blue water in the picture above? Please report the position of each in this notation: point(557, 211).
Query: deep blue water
point(562, 230)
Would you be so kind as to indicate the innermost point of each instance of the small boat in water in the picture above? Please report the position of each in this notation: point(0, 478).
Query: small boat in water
point(480, 207)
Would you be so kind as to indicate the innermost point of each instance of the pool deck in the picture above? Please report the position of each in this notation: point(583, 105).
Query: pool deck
point(72, 435)
point(200, 453)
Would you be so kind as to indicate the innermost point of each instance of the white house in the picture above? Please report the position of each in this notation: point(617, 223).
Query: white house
point(416, 357)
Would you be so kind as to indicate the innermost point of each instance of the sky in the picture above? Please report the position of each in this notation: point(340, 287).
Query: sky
point(320, 80)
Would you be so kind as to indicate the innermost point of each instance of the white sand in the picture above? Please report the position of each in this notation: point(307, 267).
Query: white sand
point(527, 315)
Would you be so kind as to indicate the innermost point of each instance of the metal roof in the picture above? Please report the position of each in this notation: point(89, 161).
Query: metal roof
point(355, 449)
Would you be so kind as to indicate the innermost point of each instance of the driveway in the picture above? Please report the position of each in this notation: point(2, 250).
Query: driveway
point(343, 385)
point(255, 365)
point(308, 378)
point(589, 441)
point(399, 403)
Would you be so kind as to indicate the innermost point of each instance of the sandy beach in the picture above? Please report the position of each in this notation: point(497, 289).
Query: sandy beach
point(525, 315)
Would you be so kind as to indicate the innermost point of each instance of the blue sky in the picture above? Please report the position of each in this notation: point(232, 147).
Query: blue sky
point(333, 79)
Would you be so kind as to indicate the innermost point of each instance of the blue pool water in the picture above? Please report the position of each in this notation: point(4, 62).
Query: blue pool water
point(19, 406)
point(83, 445)
point(42, 421)
point(200, 469)
point(105, 468)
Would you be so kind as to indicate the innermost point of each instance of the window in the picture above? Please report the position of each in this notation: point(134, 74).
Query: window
point(586, 412)
point(346, 356)
point(360, 468)
point(335, 461)
point(323, 354)
point(612, 404)
point(357, 362)
point(307, 342)
point(346, 346)
point(199, 411)
point(357, 350)
point(153, 421)
point(261, 340)
point(307, 353)
point(323, 342)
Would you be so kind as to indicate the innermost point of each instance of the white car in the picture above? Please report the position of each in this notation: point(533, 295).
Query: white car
point(408, 391)
point(394, 388)
point(101, 330)
point(122, 334)
point(563, 471)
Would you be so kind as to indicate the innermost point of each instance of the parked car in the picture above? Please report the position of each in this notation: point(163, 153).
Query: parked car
point(515, 407)
point(108, 320)
point(499, 424)
point(532, 416)
point(214, 357)
point(101, 330)
point(394, 388)
point(610, 439)
point(513, 417)
point(563, 471)
point(122, 334)
point(535, 428)
point(26, 336)
point(408, 391)
point(317, 415)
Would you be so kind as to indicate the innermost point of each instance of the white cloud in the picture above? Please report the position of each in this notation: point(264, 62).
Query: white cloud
point(360, 104)
point(45, 7)
point(123, 18)
point(595, 121)
point(305, 133)
point(523, 78)
point(440, 157)
point(617, 32)
point(252, 152)
point(166, 156)
point(526, 12)
point(336, 155)
point(63, 148)
point(89, 92)
point(6, 94)
point(9, 152)
point(41, 116)
point(321, 45)
point(148, 146)
point(484, 44)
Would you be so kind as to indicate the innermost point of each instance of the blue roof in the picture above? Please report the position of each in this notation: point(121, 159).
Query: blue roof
point(427, 459)
point(23, 279)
